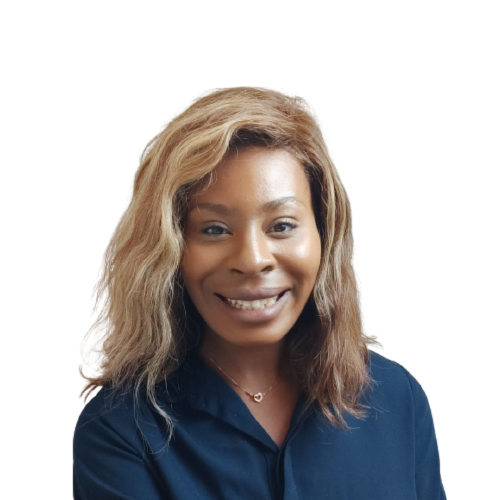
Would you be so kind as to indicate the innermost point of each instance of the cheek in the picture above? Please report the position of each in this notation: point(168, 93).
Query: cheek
point(308, 250)
point(187, 259)
point(316, 249)
point(185, 270)
point(189, 271)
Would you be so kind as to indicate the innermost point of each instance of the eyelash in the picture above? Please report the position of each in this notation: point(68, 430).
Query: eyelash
point(291, 225)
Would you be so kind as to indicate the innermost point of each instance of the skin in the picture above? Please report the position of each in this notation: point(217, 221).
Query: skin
point(245, 247)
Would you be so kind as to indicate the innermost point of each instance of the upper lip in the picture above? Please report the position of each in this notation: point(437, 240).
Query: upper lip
point(252, 293)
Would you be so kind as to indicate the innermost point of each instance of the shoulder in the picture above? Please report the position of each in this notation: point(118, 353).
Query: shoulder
point(124, 418)
point(114, 439)
point(390, 373)
point(107, 415)
point(395, 386)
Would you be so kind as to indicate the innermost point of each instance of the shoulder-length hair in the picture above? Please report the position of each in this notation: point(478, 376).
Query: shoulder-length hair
point(149, 321)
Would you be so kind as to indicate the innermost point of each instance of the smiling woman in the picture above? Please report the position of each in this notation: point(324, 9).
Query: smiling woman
point(234, 364)
point(250, 266)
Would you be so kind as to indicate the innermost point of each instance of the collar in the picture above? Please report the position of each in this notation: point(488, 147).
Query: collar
point(204, 389)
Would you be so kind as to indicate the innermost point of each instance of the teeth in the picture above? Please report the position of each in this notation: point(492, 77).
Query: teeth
point(252, 304)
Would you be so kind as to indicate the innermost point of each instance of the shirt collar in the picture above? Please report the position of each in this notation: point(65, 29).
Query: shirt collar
point(195, 382)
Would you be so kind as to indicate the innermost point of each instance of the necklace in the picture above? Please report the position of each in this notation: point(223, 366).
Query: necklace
point(258, 397)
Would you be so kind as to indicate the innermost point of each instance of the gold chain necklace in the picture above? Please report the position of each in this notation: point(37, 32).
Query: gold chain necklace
point(258, 397)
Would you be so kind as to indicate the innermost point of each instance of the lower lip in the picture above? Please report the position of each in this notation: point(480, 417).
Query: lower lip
point(254, 315)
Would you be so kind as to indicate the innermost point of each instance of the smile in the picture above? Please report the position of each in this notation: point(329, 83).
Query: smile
point(256, 310)
point(252, 304)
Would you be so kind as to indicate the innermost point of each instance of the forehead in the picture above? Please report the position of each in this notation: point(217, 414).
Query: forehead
point(254, 176)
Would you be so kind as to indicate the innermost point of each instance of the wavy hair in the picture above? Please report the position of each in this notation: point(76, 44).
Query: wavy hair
point(148, 320)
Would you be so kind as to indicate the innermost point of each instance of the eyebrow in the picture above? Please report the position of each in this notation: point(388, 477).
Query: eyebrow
point(266, 207)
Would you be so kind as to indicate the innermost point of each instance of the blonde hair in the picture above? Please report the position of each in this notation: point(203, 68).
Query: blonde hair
point(148, 320)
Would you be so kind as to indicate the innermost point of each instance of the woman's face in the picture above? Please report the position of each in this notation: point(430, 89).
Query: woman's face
point(252, 247)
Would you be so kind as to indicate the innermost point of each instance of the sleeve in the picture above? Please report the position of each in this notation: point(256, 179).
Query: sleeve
point(108, 464)
point(427, 467)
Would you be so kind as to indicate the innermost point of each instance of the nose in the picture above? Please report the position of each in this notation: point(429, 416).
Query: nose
point(251, 254)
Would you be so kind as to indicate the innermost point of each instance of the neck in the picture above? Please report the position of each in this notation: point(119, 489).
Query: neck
point(252, 366)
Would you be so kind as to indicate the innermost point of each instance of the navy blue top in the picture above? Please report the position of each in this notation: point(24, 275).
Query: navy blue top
point(219, 451)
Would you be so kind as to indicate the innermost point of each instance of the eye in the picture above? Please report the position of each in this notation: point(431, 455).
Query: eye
point(291, 225)
point(205, 231)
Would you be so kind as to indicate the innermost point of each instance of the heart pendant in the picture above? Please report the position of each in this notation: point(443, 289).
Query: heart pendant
point(258, 397)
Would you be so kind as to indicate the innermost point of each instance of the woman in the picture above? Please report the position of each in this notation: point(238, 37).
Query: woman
point(234, 363)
